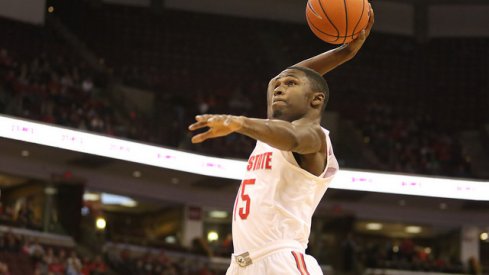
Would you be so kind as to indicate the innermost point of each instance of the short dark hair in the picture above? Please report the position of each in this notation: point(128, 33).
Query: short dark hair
point(317, 81)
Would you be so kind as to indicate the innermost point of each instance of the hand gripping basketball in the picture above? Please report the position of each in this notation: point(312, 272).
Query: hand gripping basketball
point(356, 44)
point(337, 21)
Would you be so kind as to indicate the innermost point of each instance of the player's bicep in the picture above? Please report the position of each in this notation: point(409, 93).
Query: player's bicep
point(309, 139)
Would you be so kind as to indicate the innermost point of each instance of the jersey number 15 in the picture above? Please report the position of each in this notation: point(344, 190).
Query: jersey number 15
point(244, 211)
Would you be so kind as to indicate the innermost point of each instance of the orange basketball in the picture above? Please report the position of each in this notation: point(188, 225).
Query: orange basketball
point(337, 21)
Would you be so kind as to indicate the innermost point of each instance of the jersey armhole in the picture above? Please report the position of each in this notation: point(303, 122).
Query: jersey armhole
point(290, 158)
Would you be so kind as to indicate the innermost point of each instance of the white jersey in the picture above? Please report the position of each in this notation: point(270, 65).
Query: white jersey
point(277, 198)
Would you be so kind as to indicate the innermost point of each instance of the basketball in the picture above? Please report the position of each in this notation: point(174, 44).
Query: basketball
point(337, 21)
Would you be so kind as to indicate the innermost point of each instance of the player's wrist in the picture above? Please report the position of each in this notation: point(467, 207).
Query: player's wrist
point(240, 122)
point(347, 50)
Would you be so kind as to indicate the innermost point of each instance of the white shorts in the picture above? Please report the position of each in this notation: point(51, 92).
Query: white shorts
point(283, 258)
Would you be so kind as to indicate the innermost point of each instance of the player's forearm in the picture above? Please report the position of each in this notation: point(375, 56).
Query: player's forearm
point(327, 61)
point(276, 133)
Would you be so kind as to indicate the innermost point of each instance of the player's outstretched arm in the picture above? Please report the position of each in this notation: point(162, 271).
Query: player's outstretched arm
point(283, 135)
point(331, 59)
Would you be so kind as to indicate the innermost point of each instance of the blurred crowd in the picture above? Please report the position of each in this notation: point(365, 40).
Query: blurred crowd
point(52, 90)
point(25, 255)
point(412, 144)
point(360, 254)
point(56, 87)
point(140, 260)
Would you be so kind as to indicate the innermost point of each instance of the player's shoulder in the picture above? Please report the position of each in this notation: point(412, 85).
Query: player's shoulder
point(318, 129)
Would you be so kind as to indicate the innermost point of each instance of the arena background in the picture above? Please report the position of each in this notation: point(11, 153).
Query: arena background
point(409, 119)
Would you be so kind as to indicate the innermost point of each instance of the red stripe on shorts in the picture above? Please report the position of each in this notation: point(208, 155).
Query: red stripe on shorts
point(301, 264)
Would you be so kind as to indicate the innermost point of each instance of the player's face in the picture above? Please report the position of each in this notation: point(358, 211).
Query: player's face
point(289, 95)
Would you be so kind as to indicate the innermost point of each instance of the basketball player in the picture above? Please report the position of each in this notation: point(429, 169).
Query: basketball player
point(289, 170)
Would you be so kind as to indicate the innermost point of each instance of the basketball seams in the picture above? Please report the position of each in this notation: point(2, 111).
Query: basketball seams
point(319, 30)
point(332, 35)
point(309, 5)
point(346, 22)
point(329, 19)
point(322, 24)
point(359, 19)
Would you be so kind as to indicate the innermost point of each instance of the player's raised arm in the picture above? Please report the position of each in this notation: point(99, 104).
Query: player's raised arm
point(331, 59)
point(283, 135)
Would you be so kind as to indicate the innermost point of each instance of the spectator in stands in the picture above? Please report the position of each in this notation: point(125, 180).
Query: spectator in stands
point(87, 266)
point(25, 214)
point(114, 257)
point(12, 244)
point(56, 267)
point(73, 264)
point(140, 267)
point(49, 256)
point(98, 266)
point(62, 255)
point(87, 86)
point(204, 270)
point(406, 249)
point(474, 267)
point(227, 245)
point(170, 270)
point(200, 247)
point(4, 269)
point(34, 250)
point(412, 144)
point(349, 254)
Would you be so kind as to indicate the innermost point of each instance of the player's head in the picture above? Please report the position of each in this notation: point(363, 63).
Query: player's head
point(295, 93)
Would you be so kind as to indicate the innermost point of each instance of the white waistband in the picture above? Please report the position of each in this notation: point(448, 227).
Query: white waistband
point(270, 248)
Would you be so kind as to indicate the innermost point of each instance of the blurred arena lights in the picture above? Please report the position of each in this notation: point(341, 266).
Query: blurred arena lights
point(111, 199)
point(89, 196)
point(171, 239)
point(413, 229)
point(374, 226)
point(356, 180)
point(484, 236)
point(212, 236)
point(217, 214)
point(136, 174)
point(100, 223)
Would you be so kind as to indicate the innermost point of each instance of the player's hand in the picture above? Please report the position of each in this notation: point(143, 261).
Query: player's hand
point(355, 45)
point(219, 126)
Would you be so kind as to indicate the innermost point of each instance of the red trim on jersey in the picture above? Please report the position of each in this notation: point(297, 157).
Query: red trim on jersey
point(301, 264)
point(235, 206)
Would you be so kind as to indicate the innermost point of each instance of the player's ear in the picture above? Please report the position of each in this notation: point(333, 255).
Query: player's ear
point(269, 99)
point(317, 100)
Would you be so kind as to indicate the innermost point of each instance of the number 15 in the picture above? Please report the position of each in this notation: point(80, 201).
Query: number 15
point(244, 211)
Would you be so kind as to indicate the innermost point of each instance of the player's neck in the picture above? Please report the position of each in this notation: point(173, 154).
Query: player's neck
point(307, 120)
